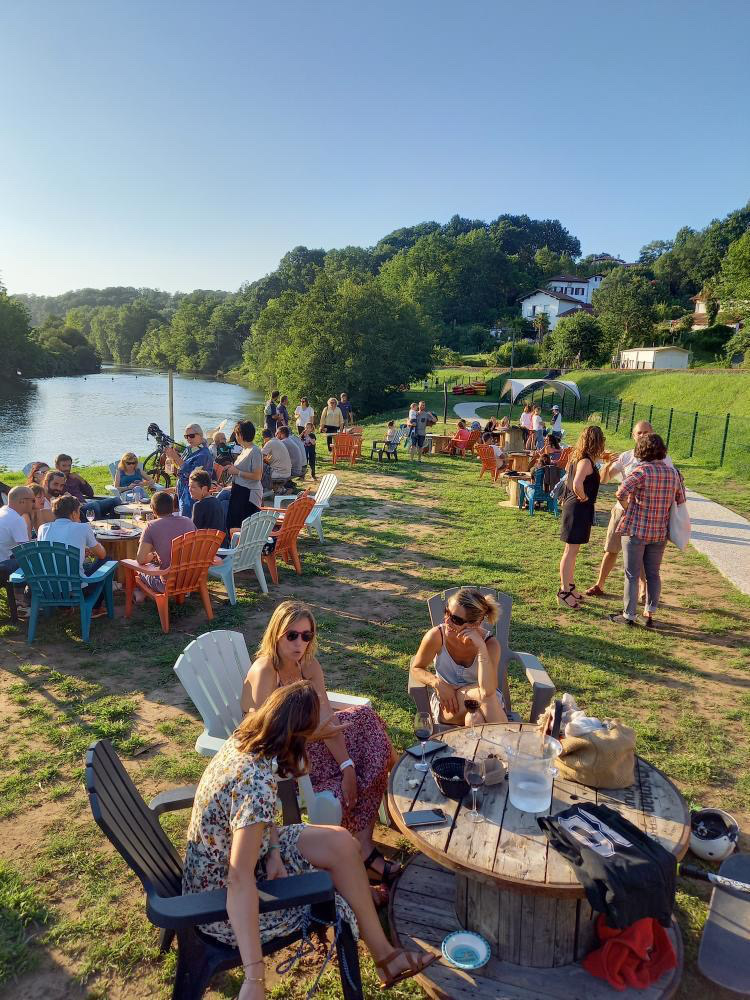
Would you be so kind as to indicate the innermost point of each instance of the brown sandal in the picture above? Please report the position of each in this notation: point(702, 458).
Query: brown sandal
point(418, 962)
point(567, 599)
point(595, 591)
point(391, 869)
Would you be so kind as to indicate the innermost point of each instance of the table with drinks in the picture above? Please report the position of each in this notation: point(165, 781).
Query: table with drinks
point(120, 539)
point(490, 869)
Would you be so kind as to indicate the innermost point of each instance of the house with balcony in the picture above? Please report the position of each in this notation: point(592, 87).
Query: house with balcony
point(564, 295)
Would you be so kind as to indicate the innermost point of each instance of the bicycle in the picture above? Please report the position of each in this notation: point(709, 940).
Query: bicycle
point(154, 465)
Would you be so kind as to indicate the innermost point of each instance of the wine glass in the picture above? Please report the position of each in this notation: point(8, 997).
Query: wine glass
point(474, 773)
point(90, 515)
point(423, 726)
point(472, 705)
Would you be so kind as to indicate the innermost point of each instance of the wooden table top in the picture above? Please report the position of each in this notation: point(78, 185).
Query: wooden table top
point(509, 850)
point(103, 530)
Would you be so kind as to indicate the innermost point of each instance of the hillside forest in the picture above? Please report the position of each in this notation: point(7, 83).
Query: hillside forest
point(369, 319)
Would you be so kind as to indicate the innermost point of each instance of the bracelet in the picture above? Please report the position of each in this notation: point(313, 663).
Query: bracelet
point(346, 763)
point(274, 847)
point(255, 979)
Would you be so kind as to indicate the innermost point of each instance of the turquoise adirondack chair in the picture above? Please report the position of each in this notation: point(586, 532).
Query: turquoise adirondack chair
point(52, 572)
point(245, 552)
point(534, 493)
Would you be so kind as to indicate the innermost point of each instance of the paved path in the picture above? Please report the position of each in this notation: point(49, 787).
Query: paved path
point(719, 533)
point(723, 536)
point(468, 411)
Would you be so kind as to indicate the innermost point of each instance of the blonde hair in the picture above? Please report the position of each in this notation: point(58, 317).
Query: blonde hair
point(476, 604)
point(281, 727)
point(284, 617)
point(333, 400)
point(129, 456)
point(590, 444)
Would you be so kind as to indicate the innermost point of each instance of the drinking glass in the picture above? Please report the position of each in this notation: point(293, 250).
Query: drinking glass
point(90, 515)
point(472, 705)
point(423, 726)
point(474, 772)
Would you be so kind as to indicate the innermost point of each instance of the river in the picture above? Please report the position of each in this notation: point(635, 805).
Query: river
point(95, 418)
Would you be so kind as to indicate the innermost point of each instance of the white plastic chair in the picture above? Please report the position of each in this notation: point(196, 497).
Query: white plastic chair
point(323, 494)
point(245, 552)
point(212, 669)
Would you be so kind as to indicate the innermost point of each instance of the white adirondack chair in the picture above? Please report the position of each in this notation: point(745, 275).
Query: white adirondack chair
point(323, 494)
point(245, 552)
point(212, 669)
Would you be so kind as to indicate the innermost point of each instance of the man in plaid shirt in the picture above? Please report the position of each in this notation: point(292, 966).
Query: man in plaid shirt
point(647, 494)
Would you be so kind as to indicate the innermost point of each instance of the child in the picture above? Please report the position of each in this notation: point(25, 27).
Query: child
point(391, 432)
point(500, 456)
point(308, 440)
point(537, 427)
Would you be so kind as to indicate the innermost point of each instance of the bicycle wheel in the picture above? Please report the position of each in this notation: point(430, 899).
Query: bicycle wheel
point(153, 467)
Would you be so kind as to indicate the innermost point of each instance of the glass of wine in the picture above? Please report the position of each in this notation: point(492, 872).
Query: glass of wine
point(423, 726)
point(474, 772)
point(90, 515)
point(472, 705)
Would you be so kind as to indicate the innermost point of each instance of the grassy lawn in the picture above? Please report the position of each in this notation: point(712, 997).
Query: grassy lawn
point(72, 918)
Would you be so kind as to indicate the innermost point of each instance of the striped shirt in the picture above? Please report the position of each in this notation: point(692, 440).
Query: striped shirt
point(651, 487)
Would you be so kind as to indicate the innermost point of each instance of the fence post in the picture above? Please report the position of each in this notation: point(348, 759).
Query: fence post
point(724, 440)
point(588, 407)
point(541, 404)
point(632, 420)
point(619, 411)
point(650, 412)
point(575, 401)
point(692, 438)
point(606, 419)
point(669, 426)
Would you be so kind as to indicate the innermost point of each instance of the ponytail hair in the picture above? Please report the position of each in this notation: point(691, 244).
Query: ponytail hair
point(478, 606)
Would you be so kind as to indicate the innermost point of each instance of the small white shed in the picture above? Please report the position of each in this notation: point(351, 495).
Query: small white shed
point(654, 357)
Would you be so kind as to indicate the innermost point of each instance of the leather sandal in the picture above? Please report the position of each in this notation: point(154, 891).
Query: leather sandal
point(391, 869)
point(596, 591)
point(418, 962)
point(567, 599)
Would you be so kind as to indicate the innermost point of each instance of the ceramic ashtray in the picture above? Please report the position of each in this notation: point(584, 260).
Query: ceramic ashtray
point(466, 950)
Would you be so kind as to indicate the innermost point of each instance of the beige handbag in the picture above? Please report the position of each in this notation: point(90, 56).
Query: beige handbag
point(603, 758)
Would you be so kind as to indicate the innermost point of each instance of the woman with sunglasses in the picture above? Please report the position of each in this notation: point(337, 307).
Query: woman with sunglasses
point(195, 456)
point(355, 764)
point(465, 686)
point(233, 840)
point(130, 475)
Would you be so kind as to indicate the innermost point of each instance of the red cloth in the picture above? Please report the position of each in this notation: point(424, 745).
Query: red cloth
point(632, 958)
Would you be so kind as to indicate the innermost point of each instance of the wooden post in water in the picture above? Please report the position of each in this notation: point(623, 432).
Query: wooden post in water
point(170, 393)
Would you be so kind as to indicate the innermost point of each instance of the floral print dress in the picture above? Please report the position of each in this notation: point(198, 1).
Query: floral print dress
point(239, 790)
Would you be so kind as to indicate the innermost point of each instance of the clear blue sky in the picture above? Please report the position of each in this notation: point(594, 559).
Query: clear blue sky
point(190, 144)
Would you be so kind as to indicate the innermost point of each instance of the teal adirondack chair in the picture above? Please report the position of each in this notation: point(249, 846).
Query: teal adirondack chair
point(52, 572)
point(245, 552)
point(534, 493)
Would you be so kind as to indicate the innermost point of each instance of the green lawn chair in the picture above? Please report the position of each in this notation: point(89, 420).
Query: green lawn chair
point(52, 571)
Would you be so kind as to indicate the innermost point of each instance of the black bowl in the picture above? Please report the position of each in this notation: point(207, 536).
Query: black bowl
point(448, 773)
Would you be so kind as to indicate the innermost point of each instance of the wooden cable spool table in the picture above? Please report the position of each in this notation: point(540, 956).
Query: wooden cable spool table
point(438, 442)
point(511, 484)
point(501, 879)
point(118, 544)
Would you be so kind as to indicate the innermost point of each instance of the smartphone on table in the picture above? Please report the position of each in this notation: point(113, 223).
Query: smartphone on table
point(424, 817)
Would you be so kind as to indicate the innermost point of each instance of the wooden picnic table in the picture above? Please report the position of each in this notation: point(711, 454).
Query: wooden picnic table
point(507, 883)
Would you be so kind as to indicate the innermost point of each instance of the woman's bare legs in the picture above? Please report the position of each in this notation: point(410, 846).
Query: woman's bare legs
point(568, 565)
point(334, 850)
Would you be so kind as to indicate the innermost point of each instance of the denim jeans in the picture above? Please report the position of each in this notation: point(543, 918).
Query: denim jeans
point(646, 557)
point(101, 506)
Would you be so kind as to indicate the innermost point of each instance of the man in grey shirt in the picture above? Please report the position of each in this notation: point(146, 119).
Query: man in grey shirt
point(296, 451)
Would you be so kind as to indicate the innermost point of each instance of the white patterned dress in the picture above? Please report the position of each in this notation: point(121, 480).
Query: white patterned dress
point(239, 790)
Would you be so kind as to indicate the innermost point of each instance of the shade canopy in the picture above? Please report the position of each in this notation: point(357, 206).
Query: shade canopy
point(520, 386)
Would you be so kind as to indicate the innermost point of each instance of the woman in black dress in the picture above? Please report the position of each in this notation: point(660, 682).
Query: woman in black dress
point(578, 508)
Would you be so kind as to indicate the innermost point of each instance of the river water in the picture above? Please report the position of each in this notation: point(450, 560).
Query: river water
point(95, 418)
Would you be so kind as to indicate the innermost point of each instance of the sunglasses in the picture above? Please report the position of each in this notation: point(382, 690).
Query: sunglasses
point(191, 435)
point(292, 635)
point(455, 620)
point(131, 463)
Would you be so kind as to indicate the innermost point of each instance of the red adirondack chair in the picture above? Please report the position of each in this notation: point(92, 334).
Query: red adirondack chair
point(286, 532)
point(489, 462)
point(192, 554)
point(346, 446)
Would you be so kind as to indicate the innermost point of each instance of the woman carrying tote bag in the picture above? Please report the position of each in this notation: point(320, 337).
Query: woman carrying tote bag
point(648, 495)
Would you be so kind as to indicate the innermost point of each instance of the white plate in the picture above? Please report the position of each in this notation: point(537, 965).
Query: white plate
point(466, 950)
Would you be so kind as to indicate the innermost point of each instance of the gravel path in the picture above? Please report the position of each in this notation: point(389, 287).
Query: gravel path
point(723, 536)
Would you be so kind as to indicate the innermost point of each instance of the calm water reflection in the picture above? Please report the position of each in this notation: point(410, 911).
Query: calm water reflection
point(95, 418)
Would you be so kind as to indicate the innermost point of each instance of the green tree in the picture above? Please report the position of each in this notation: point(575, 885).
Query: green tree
point(653, 250)
point(734, 278)
point(576, 340)
point(18, 350)
point(624, 306)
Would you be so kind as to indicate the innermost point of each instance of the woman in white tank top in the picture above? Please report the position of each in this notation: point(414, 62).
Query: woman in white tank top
point(466, 661)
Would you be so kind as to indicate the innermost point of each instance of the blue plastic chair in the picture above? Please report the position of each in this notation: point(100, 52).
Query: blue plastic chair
point(52, 572)
point(535, 493)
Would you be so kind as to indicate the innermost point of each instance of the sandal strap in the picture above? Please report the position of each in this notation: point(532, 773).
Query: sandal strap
point(372, 856)
point(385, 962)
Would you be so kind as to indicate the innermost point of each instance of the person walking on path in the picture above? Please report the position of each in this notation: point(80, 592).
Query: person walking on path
point(579, 508)
point(618, 468)
point(647, 495)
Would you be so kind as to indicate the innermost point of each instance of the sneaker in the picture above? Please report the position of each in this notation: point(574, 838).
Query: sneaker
point(622, 620)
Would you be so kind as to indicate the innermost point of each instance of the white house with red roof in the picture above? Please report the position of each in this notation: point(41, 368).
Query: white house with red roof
point(564, 295)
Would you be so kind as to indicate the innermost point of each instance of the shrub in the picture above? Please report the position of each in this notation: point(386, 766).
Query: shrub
point(525, 353)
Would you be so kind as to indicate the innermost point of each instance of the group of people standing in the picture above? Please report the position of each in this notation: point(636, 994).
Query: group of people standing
point(639, 523)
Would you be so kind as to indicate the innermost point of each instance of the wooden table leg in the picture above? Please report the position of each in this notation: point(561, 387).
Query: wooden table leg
point(512, 485)
point(537, 931)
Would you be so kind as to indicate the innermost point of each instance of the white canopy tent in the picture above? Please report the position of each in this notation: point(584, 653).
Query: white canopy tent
point(521, 386)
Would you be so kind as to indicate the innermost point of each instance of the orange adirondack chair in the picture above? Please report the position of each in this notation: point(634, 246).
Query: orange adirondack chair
point(345, 446)
point(472, 443)
point(192, 554)
point(564, 458)
point(489, 463)
point(356, 432)
point(286, 531)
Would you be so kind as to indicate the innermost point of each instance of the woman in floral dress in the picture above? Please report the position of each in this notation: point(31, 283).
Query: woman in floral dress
point(354, 764)
point(232, 840)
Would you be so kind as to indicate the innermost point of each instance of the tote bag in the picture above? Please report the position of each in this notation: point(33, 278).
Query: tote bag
point(679, 525)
